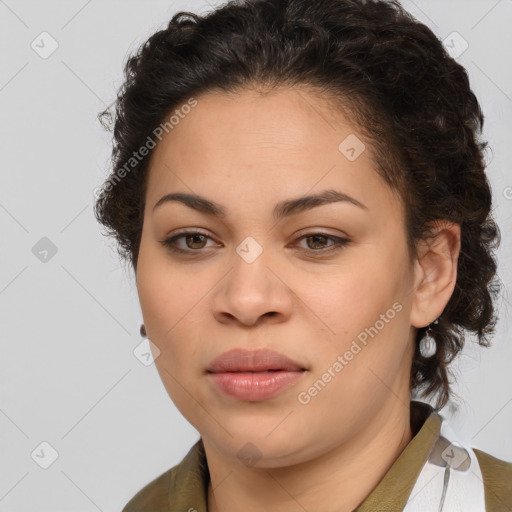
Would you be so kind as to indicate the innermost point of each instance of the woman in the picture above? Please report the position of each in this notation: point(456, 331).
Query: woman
point(300, 189)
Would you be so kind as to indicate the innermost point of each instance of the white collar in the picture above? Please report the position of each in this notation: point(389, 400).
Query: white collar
point(451, 479)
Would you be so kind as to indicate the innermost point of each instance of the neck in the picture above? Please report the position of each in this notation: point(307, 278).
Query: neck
point(338, 481)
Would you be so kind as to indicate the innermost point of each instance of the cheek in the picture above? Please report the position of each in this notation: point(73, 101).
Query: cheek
point(167, 302)
point(165, 295)
point(365, 303)
point(352, 296)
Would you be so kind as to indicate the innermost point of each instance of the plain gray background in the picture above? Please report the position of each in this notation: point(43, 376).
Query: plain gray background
point(69, 324)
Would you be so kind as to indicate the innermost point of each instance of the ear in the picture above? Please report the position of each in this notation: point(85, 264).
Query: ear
point(435, 273)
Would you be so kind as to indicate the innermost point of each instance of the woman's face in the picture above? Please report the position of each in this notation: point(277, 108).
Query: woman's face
point(264, 276)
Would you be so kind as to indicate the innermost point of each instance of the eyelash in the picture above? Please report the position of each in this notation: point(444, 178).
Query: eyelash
point(339, 243)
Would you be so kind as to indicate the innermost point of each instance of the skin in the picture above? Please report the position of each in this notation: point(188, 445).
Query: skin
point(248, 152)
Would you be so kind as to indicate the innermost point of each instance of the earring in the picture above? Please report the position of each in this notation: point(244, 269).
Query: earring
point(428, 346)
point(143, 332)
point(435, 322)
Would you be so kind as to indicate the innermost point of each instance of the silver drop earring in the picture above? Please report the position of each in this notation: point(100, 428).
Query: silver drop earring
point(428, 347)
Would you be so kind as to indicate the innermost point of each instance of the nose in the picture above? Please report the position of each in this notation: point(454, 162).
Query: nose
point(253, 293)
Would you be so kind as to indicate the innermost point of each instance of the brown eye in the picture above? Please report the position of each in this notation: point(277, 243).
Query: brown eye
point(194, 242)
point(317, 243)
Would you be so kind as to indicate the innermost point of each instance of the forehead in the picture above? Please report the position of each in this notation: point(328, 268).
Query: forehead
point(250, 146)
point(281, 119)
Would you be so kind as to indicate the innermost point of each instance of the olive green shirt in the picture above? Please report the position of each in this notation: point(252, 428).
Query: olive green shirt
point(184, 488)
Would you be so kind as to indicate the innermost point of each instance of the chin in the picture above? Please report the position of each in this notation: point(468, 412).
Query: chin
point(262, 447)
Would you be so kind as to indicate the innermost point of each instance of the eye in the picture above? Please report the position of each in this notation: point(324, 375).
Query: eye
point(194, 242)
point(320, 239)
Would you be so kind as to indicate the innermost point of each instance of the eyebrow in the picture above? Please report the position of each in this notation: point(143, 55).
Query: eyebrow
point(282, 209)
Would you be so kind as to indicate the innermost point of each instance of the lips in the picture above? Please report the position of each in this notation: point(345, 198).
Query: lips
point(261, 360)
point(254, 375)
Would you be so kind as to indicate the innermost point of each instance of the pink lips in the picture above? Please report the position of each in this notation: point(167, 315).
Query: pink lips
point(254, 375)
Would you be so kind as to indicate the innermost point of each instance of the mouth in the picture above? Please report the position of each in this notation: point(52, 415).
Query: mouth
point(252, 370)
point(254, 386)
point(254, 375)
point(254, 361)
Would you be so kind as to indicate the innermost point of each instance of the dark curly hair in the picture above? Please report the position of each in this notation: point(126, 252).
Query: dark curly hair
point(388, 72)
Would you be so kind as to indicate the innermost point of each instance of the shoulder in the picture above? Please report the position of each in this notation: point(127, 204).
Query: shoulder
point(153, 496)
point(185, 483)
point(497, 476)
